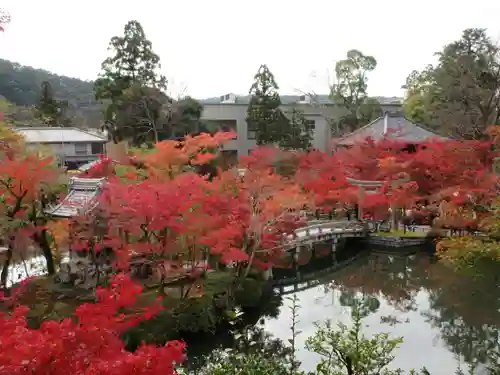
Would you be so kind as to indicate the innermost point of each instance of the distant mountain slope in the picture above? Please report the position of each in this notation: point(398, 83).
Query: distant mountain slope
point(21, 85)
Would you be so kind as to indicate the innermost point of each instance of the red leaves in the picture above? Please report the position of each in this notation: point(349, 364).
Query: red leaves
point(433, 167)
point(104, 167)
point(201, 159)
point(233, 254)
point(88, 345)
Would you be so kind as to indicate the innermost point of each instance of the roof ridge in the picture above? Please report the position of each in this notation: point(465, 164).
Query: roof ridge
point(358, 130)
point(425, 127)
point(398, 115)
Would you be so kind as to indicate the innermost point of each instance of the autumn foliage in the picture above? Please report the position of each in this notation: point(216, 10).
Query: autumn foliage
point(460, 171)
point(88, 343)
point(173, 205)
point(189, 218)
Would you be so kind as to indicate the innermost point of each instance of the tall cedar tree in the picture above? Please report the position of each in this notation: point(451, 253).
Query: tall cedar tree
point(49, 110)
point(131, 73)
point(264, 116)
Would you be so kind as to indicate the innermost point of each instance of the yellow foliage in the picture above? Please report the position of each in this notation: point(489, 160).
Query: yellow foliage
point(493, 131)
point(9, 139)
point(464, 252)
point(387, 163)
point(491, 223)
point(60, 231)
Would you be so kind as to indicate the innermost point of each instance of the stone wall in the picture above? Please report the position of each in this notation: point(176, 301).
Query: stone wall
point(396, 242)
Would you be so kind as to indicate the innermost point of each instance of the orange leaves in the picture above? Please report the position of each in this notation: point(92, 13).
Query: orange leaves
point(167, 157)
point(24, 176)
point(171, 157)
point(60, 231)
point(193, 145)
point(493, 131)
point(387, 163)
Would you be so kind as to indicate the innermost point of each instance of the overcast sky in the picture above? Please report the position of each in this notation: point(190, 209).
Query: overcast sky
point(209, 48)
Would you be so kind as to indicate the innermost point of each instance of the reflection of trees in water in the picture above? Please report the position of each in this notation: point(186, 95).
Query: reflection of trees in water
point(245, 334)
point(255, 340)
point(398, 279)
point(467, 312)
point(252, 339)
point(465, 309)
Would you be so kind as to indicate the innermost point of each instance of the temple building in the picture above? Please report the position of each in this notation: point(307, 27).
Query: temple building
point(392, 125)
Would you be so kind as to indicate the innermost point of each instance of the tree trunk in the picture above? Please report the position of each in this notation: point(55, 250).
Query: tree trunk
point(5, 269)
point(42, 241)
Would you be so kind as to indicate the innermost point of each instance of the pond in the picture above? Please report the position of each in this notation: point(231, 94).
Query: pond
point(448, 320)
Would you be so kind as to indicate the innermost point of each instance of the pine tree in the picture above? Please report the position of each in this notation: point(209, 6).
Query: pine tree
point(264, 116)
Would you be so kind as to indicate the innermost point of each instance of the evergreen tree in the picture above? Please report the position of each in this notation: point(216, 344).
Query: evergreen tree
point(459, 95)
point(131, 73)
point(299, 133)
point(264, 116)
point(49, 110)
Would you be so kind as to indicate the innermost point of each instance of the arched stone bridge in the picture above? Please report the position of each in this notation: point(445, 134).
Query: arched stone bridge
point(327, 231)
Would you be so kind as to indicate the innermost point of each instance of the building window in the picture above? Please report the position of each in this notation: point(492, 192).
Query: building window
point(97, 148)
point(311, 124)
point(252, 134)
point(214, 126)
point(80, 149)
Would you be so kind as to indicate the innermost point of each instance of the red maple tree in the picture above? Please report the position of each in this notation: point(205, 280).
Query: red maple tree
point(433, 167)
point(89, 343)
point(266, 210)
point(25, 181)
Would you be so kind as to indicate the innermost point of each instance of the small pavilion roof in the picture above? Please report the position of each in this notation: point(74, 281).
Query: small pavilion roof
point(82, 196)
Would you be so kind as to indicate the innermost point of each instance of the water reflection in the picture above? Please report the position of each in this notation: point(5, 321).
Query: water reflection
point(448, 320)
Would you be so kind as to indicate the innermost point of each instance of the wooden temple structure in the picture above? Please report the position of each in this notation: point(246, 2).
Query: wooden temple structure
point(83, 194)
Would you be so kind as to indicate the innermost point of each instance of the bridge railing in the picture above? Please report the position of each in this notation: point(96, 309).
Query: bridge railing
point(329, 226)
point(322, 231)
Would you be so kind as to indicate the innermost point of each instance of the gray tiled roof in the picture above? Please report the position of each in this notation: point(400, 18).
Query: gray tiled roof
point(397, 126)
point(291, 99)
point(82, 195)
point(58, 135)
